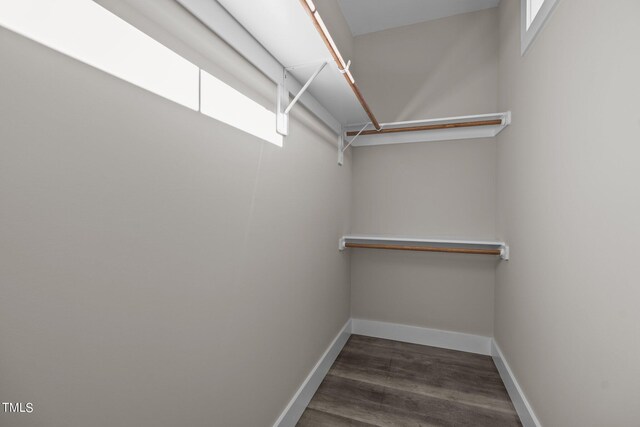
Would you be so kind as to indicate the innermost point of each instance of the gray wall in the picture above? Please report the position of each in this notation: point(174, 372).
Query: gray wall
point(159, 268)
point(438, 189)
point(337, 25)
point(441, 68)
point(566, 303)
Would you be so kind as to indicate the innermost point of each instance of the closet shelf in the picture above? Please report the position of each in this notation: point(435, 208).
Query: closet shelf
point(449, 128)
point(295, 50)
point(477, 247)
point(287, 41)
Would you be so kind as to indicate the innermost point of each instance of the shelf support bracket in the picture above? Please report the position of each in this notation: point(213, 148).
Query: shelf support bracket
point(282, 113)
point(342, 148)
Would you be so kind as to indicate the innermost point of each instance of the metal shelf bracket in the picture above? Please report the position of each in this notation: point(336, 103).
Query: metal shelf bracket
point(341, 147)
point(282, 111)
point(341, 140)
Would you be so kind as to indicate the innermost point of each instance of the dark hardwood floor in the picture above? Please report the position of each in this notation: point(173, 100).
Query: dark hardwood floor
point(376, 382)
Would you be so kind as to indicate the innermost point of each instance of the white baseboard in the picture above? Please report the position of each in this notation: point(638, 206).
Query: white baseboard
point(425, 336)
point(523, 408)
point(301, 399)
point(412, 334)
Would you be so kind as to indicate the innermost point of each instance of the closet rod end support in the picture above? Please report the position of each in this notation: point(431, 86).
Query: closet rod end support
point(506, 119)
point(504, 253)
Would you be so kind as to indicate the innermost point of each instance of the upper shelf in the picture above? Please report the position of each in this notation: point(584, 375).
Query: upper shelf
point(284, 29)
point(288, 37)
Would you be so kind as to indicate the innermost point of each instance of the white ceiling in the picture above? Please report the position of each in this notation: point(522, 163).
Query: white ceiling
point(367, 16)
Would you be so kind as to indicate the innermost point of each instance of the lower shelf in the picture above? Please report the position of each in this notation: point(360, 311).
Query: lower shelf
point(449, 128)
point(476, 247)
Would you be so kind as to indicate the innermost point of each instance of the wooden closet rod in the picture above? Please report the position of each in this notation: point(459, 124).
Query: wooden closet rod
point(424, 248)
point(337, 57)
point(428, 127)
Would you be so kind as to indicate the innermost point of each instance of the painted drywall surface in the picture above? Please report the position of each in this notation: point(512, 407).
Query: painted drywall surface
point(367, 16)
point(337, 25)
point(436, 189)
point(159, 268)
point(441, 68)
point(566, 303)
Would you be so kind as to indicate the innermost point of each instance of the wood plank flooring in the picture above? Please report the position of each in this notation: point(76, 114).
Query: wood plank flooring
point(376, 382)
